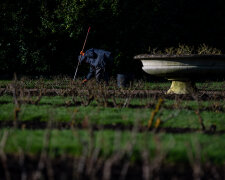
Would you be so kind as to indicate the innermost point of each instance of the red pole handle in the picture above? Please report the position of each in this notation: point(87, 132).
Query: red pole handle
point(86, 38)
point(81, 51)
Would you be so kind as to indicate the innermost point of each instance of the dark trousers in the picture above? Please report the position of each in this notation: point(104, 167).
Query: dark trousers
point(101, 74)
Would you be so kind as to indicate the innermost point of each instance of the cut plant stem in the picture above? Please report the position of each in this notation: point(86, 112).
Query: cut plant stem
point(157, 108)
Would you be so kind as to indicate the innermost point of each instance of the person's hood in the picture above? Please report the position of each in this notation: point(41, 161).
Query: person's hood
point(88, 54)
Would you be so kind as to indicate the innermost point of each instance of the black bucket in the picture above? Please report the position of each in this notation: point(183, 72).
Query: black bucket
point(123, 80)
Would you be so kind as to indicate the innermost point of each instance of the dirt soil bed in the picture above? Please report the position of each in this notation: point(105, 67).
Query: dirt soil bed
point(42, 167)
point(201, 95)
point(35, 124)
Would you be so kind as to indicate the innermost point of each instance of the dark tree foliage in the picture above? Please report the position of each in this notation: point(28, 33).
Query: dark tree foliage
point(45, 37)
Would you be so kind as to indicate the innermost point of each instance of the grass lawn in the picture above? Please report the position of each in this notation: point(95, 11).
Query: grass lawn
point(55, 108)
point(174, 147)
point(101, 132)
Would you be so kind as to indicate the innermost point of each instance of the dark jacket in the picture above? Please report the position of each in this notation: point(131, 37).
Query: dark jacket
point(98, 59)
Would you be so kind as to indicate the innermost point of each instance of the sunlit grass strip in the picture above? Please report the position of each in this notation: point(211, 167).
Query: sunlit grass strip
point(100, 115)
point(75, 142)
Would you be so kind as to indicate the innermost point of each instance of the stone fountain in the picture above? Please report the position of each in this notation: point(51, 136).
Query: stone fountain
point(183, 70)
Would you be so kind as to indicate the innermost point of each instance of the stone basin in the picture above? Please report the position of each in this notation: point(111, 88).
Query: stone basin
point(183, 70)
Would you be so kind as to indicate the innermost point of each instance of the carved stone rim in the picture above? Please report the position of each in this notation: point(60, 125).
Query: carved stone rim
point(183, 56)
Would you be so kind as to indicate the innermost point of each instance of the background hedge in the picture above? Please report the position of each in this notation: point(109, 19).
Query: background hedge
point(45, 37)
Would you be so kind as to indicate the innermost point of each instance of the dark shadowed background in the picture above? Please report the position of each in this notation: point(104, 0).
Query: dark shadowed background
point(45, 37)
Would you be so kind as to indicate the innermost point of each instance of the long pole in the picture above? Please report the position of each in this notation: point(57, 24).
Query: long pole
point(80, 56)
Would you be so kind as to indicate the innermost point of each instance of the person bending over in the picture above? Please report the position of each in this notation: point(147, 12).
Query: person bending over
point(99, 61)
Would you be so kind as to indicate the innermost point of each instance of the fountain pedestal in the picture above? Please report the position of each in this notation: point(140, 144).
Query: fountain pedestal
point(182, 87)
